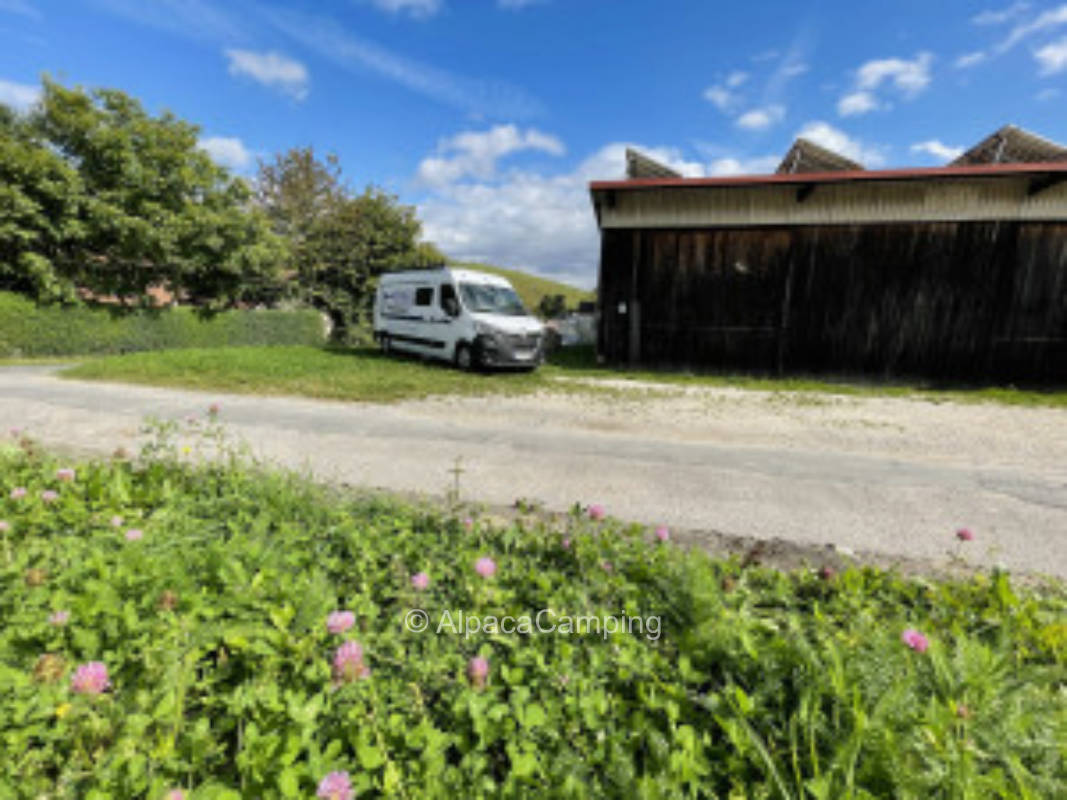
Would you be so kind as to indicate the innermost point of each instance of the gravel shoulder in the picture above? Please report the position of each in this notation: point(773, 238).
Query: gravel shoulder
point(889, 478)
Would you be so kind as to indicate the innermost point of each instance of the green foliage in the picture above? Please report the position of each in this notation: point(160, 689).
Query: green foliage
point(97, 194)
point(340, 242)
point(212, 627)
point(28, 330)
point(552, 306)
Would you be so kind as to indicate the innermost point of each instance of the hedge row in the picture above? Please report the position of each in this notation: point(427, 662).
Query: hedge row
point(28, 330)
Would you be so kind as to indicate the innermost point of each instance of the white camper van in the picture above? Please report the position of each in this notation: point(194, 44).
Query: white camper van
point(471, 318)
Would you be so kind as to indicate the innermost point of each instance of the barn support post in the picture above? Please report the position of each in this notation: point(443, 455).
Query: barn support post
point(783, 321)
point(634, 304)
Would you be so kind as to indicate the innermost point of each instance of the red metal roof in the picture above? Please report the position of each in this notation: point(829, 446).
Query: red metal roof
point(980, 171)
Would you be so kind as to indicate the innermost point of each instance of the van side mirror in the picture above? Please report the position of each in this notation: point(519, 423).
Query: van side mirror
point(451, 306)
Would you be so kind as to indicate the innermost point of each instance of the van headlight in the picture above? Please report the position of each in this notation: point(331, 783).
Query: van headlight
point(487, 330)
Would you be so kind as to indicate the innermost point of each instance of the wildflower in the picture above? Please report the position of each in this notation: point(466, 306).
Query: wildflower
point(915, 640)
point(116, 521)
point(335, 786)
point(15, 432)
point(174, 794)
point(566, 543)
point(134, 535)
point(65, 474)
point(420, 580)
point(478, 671)
point(965, 535)
point(606, 566)
point(827, 573)
point(663, 533)
point(49, 668)
point(468, 523)
point(62, 710)
point(49, 496)
point(18, 492)
point(963, 712)
point(5, 526)
point(348, 663)
point(596, 512)
point(340, 621)
point(213, 409)
point(59, 618)
point(90, 678)
point(485, 567)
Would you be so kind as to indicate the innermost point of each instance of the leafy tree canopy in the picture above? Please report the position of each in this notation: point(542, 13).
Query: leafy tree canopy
point(97, 194)
point(340, 241)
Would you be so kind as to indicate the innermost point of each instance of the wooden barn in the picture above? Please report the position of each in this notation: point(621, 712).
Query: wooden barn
point(957, 272)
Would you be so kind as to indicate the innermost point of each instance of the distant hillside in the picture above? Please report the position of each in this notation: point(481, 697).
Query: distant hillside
point(532, 288)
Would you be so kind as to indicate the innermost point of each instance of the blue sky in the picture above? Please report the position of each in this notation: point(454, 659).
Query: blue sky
point(491, 116)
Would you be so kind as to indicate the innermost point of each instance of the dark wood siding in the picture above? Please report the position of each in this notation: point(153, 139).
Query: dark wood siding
point(960, 300)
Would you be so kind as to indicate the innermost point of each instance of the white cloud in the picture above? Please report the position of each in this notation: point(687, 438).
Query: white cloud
point(736, 78)
point(515, 5)
point(1045, 95)
point(968, 60)
point(530, 221)
point(938, 150)
point(794, 69)
point(998, 16)
point(765, 55)
point(857, 103)
point(826, 135)
point(1047, 21)
point(722, 98)
point(227, 151)
point(21, 7)
point(271, 69)
point(757, 165)
point(475, 154)
point(19, 96)
point(357, 55)
point(759, 119)
point(419, 9)
point(909, 77)
point(197, 19)
point(1052, 57)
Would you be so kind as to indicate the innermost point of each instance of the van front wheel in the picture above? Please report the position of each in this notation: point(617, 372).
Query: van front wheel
point(464, 357)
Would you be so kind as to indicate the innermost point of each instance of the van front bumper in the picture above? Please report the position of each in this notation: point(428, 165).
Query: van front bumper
point(509, 350)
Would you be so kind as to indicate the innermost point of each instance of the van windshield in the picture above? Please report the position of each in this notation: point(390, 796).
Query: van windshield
point(486, 299)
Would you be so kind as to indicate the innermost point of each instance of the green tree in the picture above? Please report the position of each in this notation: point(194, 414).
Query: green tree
point(340, 242)
point(100, 195)
point(552, 306)
point(42, 203)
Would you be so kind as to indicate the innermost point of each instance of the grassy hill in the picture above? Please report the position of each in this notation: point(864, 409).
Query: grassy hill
point(532, 288)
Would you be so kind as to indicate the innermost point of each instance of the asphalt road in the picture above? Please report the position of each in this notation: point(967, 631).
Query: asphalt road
point(896, 504)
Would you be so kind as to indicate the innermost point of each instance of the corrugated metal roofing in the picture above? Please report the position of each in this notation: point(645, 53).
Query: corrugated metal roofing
point(638, 165)
point(928, 173)
point(1012, 145)
point(805, 156)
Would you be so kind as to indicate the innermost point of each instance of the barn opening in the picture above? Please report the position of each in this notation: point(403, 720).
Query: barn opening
point(956, 272)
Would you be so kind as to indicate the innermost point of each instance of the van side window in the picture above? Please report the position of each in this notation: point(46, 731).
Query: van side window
point(424, 296)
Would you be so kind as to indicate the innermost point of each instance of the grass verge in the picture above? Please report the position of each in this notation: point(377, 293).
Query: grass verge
point(363, 374)
point(169, 627)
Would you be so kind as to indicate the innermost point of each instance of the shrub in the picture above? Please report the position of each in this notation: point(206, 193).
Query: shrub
point(29, 330)
point(207, 655)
